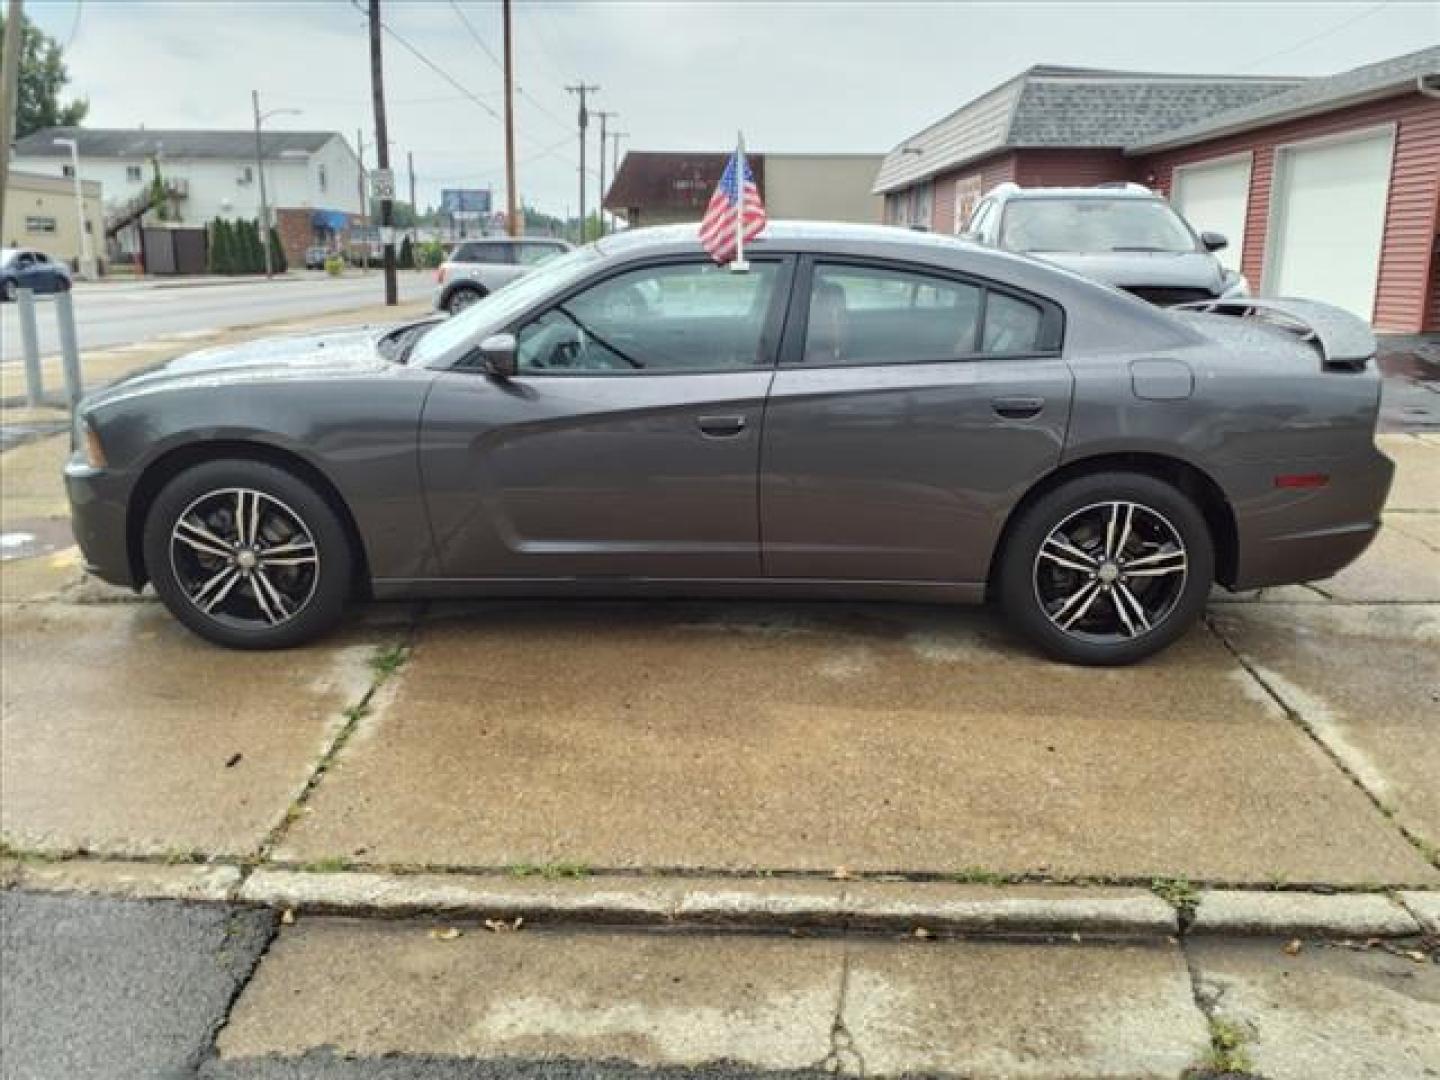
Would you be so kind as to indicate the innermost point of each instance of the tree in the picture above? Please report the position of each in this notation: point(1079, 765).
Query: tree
point(220, 254)
point(159, 194)
point(406, 258)
point(42, 76)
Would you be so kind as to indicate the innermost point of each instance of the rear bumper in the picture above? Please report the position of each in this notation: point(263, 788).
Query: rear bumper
point(98, 502)
point(1293, 536)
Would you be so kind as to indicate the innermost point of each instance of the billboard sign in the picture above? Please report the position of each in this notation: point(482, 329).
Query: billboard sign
point(465, 202)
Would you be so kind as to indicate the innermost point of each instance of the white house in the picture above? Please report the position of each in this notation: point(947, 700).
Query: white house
point(312, 178)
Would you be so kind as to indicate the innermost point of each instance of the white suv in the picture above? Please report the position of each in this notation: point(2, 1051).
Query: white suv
point(476, 268)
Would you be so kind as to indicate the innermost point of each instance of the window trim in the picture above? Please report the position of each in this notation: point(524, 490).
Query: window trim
point(772, 330)
point(792, 353)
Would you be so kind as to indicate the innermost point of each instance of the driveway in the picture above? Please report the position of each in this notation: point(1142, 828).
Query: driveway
point(1292, 738)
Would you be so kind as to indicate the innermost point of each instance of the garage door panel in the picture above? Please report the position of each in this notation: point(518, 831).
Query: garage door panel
point(1329, 224)
point(1215, 196)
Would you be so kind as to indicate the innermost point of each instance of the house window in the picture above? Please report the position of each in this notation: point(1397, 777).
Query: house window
point(322, 177)
point(132, 173)
point(37, 224)
point(67, 171)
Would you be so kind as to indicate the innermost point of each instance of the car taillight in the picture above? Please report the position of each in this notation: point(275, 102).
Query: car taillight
point(440, 275)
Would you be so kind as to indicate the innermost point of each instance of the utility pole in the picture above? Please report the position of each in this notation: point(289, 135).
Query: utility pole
point(615, 164)
point(364, 204)
point(9, 98)
point(600, 199)
point(513, 221)
point(582, 90)
point(260, 175)
point(414, 210)
point(382, 156)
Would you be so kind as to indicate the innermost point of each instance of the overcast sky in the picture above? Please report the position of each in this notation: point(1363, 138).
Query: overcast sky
point(847, 76)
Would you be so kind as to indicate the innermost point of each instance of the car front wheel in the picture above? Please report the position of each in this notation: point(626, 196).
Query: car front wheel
point(461, 299)
point(8, 289)
point(1107, 569)
point(247, 555)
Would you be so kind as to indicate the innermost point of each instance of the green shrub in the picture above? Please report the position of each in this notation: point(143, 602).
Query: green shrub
point(431, 254)
point(406, 257)
point(221, 255)
point(277, 253)
point(334, 265)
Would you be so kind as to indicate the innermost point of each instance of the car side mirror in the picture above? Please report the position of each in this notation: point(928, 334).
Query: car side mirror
point(1213, 241)
point(497, 356)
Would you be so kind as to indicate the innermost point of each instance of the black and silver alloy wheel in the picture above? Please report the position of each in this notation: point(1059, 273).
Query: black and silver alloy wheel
point(1106, 568)
point(244, 557)
point(1110, 571)
point(461, 299)
point(247, 554)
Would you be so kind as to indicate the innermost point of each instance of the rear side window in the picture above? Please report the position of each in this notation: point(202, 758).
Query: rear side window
point(879, 315)
point(534, 254)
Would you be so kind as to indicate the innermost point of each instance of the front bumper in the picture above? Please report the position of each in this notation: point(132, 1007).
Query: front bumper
point(98, 503)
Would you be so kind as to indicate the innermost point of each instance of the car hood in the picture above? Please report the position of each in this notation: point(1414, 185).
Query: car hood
point(1164, 269)
point(335, 353)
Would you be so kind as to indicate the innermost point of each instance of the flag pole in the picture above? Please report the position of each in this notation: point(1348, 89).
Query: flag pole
point(740, 266)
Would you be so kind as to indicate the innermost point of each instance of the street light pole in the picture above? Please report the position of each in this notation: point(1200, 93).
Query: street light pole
point(87, 258)
point(260, 175)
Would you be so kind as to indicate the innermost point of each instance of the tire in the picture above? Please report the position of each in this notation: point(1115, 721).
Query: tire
point(260, 601)
point(8, 290)
point(461, 298)
point(1074, 601)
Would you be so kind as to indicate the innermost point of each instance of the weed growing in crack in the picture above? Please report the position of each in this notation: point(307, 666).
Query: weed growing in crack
point(388, 660)
point(331, 864)
point(977, 875)
point(1227, 1055)
point(551, 871)
point(1179, 894)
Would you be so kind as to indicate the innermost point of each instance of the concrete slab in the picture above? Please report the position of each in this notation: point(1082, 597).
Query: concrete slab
point(41, 578)
point(115, 989)
point(1420, 526)
point(1241, 911)
point(1022, 1011)
point(1417, 472)
point(1396, 567)
point(129, 880)
point(972, 909)
point(125, 734)
point(1425, 906)
point(657, 999)
point(825, 736)
point(31, 481)
point(1367, 681)
point(1333, 1012)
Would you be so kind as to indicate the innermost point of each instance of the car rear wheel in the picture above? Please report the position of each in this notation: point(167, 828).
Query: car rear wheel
point(247, 555)
point(8, 289)
point(460, 299)
point(1107, 569)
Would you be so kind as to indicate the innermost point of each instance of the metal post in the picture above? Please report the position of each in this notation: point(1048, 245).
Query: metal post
point(30, 344)
point(260, 175)
point(69, 349)
point(382, 154)
point(87, 262)
point(9, 98)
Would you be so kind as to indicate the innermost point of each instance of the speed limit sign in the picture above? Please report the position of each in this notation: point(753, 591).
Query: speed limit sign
point(382, 184)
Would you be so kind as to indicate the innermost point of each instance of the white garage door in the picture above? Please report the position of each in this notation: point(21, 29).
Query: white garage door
point(1213, 196)
point(1329, 221)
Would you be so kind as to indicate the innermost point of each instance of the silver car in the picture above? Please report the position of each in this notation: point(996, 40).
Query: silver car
point(476, 268)
point(866, 413)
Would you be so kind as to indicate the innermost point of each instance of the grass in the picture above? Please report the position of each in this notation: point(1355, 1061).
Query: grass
point(388, 660)
point(551, 871)
point(331, 864)
point(1227, 1053)
point(977, 875)
point(1178, 893)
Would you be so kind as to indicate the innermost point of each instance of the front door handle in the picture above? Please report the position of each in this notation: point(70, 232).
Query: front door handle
point(1017, 408)
point(721, 427)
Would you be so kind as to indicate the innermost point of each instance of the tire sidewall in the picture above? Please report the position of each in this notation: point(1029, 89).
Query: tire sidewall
point(466, 290)
point(1017, 589)
point(327, 602)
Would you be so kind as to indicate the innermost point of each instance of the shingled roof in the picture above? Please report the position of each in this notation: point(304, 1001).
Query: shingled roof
point(128, 144)
point(1396, 75)
point(1070, 107)
point(664, 181)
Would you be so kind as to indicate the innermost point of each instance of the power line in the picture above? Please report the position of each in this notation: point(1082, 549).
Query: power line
point(480, 41)
point(475, 98)
point(1311, 40)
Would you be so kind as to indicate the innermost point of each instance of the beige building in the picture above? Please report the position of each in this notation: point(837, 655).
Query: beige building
point(660, 188)
point(40, 214)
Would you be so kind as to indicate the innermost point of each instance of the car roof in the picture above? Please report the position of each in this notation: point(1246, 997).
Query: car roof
point(1128, 191)
point(803, 233)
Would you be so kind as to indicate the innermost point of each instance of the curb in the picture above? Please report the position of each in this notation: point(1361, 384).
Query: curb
point(759, 904)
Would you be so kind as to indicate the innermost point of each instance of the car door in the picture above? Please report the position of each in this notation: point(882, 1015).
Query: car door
point(47, 275)
point(27, 273)
point(627, 444)
point(911, 410)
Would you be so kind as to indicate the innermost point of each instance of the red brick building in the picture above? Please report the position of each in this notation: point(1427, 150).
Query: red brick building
point(1327, 187)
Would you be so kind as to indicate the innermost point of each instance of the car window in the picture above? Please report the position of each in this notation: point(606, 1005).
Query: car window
point(483, 253)
point(1011, 325)
point(872, 315)
point(40, 257)
point(673, 317)
point(1093, 225)
point(981, 217)
point(535, 254)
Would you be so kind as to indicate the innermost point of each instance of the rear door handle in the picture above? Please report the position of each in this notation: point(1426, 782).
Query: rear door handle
point(721, 427)
point(1017, 408)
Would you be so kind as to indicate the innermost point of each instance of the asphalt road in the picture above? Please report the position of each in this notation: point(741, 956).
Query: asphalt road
point(119, 314)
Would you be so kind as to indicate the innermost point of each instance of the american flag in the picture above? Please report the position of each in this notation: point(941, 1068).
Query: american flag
point(717, 228)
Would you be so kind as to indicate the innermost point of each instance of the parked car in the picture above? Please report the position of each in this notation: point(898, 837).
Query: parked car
point(867, 413)
point(315, 257)
point(476, 268)
point(26, 268)
point(1122, 234)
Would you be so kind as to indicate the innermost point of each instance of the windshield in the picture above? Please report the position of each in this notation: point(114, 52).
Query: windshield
point(1092, 225)
point(503, 304)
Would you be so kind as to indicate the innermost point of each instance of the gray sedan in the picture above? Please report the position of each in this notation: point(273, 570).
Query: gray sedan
point(863, 413)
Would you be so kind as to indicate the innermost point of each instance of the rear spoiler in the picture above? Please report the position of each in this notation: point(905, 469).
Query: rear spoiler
point(1344, 342)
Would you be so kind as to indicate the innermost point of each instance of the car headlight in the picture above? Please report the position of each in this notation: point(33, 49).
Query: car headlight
point(87, 442)
point(1236, 285)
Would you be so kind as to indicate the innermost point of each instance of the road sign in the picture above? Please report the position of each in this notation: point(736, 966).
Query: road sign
point(382, 184)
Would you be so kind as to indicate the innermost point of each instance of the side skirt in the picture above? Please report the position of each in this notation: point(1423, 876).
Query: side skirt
point(924, 592)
